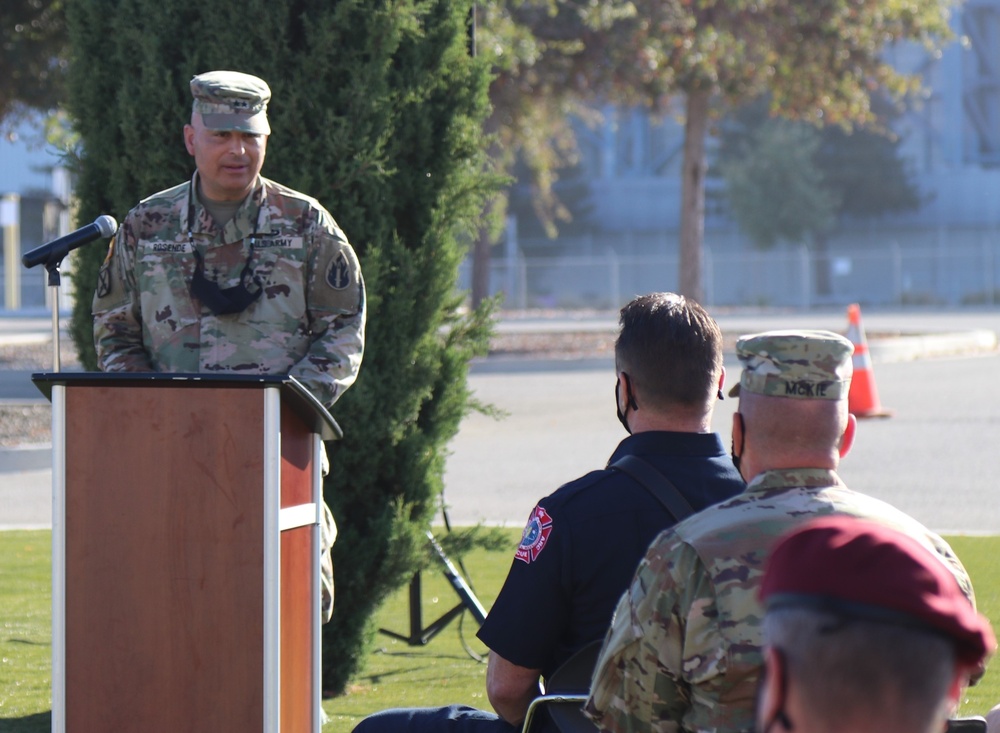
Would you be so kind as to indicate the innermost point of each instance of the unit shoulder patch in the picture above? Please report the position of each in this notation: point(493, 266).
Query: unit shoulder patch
point(104, 280)
point(535, 536)
point(338, 274)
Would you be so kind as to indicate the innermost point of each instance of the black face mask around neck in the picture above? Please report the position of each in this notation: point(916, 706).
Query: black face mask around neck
point(225, 301)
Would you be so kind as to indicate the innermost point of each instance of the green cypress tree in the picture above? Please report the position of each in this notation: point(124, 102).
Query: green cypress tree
point(377, 111)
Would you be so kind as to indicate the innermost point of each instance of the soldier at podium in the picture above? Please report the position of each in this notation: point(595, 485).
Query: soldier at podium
point(231, 272)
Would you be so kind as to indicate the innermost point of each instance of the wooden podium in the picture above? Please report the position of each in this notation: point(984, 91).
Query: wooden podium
point(186, 547)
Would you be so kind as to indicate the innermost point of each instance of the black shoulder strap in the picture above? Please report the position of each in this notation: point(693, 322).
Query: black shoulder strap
point(657, 484)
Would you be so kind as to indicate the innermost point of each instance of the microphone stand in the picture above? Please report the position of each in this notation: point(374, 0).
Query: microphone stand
point(53, 254)
point(55, 279)
point(52, 267)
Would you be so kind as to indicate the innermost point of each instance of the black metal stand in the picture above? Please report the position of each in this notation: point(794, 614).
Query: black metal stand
point(419, 634)
point(52, 267)
point(52, 254)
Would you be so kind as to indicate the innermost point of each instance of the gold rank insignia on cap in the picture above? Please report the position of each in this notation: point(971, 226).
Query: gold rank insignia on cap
point(232, 100)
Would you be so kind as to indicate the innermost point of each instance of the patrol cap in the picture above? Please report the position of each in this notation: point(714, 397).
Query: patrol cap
point(857, 568)
point(803, 364)
point(231, 100)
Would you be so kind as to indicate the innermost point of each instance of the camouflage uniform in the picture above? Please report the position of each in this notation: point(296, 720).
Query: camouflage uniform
point(309, 322)
point(684, 649)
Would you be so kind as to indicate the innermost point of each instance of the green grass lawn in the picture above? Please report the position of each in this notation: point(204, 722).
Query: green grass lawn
point(26, 636)
point(395, 673)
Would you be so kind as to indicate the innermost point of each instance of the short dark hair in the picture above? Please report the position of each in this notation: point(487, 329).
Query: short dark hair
point(671, 350)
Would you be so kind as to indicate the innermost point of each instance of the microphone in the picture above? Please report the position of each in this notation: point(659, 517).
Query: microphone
point(103, 227)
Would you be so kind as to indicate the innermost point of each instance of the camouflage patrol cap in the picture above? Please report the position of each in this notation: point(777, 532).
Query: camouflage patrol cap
point(231, 100)
point(857, 568)
point(801, 364)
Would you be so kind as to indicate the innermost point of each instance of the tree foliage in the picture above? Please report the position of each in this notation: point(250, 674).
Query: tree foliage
point(774, 187)
point(377, 111)
point(819, 61)
point(791, 180)
point(533, 48)
point(549, 68)
point(32, 56)
point(551, 71)
point(865, 169)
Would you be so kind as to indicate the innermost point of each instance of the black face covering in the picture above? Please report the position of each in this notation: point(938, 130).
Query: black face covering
point(732, 444)
point(225, 301)
point(629, 403)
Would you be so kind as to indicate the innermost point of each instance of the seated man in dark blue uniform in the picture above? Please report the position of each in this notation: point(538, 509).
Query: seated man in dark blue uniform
point(583, 542)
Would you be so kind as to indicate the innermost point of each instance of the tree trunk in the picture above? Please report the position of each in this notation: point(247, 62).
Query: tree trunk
point(693, 195)
point(821, 254)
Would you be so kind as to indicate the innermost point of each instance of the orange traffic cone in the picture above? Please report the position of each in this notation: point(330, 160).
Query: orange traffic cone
point(862, 400)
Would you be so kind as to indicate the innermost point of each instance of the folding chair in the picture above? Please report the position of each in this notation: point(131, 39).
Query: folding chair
point(565, 692)
point(970, 724)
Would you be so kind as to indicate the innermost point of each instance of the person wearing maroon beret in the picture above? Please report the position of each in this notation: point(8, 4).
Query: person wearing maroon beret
point(864, 629)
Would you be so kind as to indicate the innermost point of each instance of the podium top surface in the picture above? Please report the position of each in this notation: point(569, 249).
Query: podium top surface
point(301, 400)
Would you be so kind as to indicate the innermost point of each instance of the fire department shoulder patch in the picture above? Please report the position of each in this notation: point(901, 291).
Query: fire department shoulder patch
point(535, 536)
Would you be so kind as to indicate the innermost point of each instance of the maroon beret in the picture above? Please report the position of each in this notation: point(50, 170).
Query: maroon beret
point(859, 568)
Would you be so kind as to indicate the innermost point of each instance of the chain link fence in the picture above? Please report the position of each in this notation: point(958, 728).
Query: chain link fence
point(796, 278)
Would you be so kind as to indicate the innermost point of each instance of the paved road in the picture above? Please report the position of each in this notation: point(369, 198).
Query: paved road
point(937, 458)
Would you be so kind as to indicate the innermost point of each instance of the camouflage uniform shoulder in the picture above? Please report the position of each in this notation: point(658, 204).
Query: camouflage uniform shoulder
point(294, 208)
point(166, 197)
point(156, 214)
point(291, 197)
point(716, 517)
point(745, 525)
